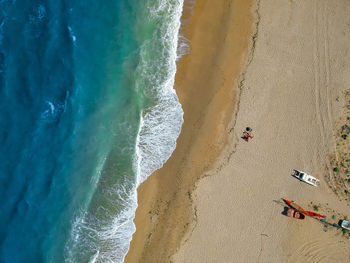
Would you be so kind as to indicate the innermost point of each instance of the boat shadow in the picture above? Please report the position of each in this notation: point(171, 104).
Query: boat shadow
point(284, 212)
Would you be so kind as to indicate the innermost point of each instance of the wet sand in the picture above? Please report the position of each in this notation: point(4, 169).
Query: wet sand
point(207, 83)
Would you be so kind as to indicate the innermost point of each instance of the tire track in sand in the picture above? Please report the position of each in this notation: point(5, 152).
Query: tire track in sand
point(317, 251)
point(321, 68)
point(327, 61)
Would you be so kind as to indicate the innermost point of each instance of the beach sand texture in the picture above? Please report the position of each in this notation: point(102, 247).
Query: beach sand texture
point(289, 97)
point(294, 72)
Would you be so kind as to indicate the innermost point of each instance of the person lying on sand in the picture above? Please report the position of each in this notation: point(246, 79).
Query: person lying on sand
point(247, 134)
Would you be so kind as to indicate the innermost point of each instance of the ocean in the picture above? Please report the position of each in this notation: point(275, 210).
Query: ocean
point(87, 112)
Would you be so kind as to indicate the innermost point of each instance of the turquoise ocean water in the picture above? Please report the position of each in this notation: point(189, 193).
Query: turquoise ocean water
point(87, 112)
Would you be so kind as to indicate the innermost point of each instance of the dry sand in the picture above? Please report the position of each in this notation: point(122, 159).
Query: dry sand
point(300, 67)
point(292, 97)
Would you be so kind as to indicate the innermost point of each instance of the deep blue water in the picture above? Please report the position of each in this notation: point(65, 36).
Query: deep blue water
point(85, 88)
point(59, 62)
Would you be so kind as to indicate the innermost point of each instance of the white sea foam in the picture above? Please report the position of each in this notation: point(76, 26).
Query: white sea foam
point(71, 34)
point(183, 47)
point(108, 236)
point(52, 112)
point(161, 124)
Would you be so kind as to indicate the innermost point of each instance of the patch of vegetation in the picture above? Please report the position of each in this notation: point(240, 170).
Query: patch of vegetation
point(316, 207)
point(335, 169)
point(344, 136)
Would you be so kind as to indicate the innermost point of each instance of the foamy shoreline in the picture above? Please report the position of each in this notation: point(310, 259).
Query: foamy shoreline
point(165, 200)
point(161, 123)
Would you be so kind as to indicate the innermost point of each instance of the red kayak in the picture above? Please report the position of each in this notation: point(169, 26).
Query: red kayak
point(313, 214)
point(301, 210)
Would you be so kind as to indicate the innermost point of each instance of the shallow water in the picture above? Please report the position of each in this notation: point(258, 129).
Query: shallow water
point(88, 111)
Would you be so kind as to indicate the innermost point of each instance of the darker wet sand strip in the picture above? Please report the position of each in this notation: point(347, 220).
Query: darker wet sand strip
point(207, 83)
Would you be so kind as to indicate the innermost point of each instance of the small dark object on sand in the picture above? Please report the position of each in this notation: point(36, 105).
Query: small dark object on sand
point(248, 129)
point(346, 128)
point(246, 136)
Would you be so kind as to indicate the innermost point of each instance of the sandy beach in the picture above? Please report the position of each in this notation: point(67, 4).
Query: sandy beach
point(282, 68)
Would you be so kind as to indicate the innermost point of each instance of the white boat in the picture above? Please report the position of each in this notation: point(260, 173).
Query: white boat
point(345, 224)
point(302, 176)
